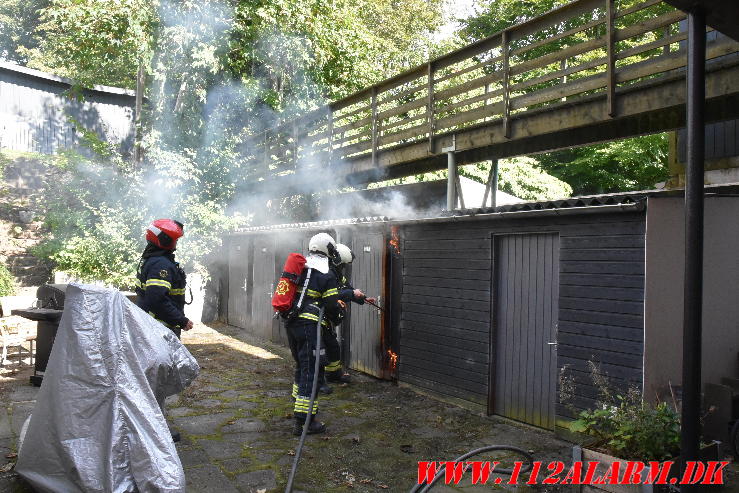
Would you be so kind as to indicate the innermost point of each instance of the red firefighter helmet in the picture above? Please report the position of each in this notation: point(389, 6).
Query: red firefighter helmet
point(164, 233)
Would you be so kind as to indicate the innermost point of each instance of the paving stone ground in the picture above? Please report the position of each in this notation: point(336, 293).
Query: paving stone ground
point(236, 423)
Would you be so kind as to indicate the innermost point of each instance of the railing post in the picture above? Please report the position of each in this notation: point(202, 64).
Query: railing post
point(430, 107)
point(611, 67)
point(506, 83)
point(374, 125)
point(666, 48)
point(460, 195)
point(491, 187)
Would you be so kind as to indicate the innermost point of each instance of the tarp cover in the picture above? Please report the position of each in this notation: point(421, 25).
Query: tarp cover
point(97, 426)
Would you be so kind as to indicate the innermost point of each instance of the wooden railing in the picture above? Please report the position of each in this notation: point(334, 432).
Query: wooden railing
point(583, 48)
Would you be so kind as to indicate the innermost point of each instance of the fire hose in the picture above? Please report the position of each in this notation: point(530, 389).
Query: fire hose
point(424, 488)
point(374, 304)
point(419, 488)
point(309, 417)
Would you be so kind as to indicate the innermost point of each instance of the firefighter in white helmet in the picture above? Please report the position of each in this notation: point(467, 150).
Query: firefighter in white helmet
point(322, 291)
point(333, 370)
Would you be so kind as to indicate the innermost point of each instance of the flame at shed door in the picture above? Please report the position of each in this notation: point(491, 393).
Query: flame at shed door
point(392, 361)
point(394, 239)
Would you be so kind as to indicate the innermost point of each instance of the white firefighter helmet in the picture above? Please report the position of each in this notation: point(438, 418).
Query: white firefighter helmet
point(345, 253)
point(323, 243)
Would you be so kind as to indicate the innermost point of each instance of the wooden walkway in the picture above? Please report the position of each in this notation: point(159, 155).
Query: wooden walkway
point(590, 71)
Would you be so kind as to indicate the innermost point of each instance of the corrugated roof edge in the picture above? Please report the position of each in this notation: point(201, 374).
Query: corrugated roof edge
point(582, 202)
point(12, 67)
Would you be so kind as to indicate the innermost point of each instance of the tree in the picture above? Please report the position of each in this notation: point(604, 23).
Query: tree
point(630, 164)
point(92, 41)
point(217, 73)
point(522, 177)
point(18, 21)
point(492, 16)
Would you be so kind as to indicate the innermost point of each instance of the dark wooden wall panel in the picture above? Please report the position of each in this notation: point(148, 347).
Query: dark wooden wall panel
point(445, 310)
point(447, 297)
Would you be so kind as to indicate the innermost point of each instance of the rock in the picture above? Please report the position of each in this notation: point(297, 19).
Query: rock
point(243, 425)
point(206, 424)
point(208, 478)
point(256, 481)
point(192, 457)
point(209, 403)
point(26, 217)
point(234, 465)
point(354, 438)
point(221, 449)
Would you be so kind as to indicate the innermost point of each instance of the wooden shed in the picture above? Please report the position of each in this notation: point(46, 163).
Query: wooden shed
point(491, 308)
point(256, 257)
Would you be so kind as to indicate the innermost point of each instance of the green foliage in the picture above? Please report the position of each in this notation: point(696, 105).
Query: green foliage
point(217, 72)
point(629, 164)
point(632, 429)
point(92, 41)
point(522, 177)
point(495, 15)
point(99, 208)
point(18, 19)
point(624, 425)
point(7, 283)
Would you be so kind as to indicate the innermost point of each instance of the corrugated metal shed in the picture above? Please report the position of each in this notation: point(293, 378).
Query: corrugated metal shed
point(570, 203)
point(34, 112)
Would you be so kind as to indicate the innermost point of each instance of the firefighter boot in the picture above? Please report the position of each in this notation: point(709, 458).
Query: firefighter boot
point(324, 387)
point(338, 377)
point(313, 428)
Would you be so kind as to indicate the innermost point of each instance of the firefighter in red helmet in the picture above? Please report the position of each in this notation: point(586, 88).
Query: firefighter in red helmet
point(160, 280)
point(160, 285)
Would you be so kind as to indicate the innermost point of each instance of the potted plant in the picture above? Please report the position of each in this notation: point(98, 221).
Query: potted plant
point(624, 427)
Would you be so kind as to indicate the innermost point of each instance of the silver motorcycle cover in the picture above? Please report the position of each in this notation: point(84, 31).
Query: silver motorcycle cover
point(96, 425)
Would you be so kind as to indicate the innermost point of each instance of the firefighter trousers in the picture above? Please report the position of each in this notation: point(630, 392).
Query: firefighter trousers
point(333, 353)
point(302, 339)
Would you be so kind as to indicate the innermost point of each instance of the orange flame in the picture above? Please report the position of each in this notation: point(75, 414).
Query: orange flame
point(393, 359)
point(394, 239)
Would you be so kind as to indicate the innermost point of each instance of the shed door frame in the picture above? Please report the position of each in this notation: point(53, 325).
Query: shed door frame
point(240, 256)
point(365, 327)
point(495, 237)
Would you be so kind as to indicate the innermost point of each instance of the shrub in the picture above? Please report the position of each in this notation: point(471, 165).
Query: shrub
point(627, 427)
point(7, 283)
point(98, 209)
point(633, 429)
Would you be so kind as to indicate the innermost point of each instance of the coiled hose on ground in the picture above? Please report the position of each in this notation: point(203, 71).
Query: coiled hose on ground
point(424, 488)
point(419, 488)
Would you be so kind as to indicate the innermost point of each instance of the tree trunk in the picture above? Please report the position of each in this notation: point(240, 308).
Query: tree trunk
point(181, 95)
point(138, 132)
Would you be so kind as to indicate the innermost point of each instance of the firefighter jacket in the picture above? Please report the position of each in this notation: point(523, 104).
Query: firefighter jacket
point(322, 291)
point(346, 290)
point(161, 290)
